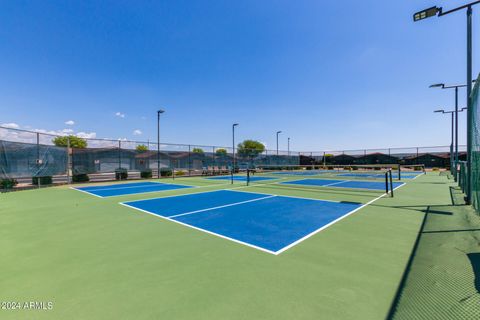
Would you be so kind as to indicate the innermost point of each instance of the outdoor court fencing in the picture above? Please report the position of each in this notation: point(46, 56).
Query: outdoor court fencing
point(26, 154)
point(474, 152)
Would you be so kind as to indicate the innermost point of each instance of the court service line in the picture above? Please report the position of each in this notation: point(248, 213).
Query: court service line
point(326, 226)
point(200, 229)
point(219, 207)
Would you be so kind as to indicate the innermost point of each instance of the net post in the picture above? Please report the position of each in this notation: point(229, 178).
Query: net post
point(391, 182)
point(386, 182)
point(248, 177)
point(399, 172)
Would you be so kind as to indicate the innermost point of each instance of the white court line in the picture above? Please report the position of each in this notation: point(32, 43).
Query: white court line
point(131, 194)
point(335, 183)
point(149, 185)
point(92, 194)
point(219, 207)
point(402, 184)
point(200, 229)
point(283, 196)
point(254, 246)
point(187, 194)
point(326, 226)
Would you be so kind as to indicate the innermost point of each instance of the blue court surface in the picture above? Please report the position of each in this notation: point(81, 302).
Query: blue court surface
point(349, 184)
point(403, 175)
point(302, 173)
point(240, 178)
point(129, 188)
point(266, 222)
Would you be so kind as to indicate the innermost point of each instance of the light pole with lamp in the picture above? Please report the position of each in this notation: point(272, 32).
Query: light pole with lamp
point(233, 147)
point(436, 11)
point(278, 132)
point(159, 112)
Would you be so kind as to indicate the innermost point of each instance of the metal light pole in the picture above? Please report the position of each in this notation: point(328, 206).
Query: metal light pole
point(278, 132)
point(158, 141)
point(434, 11)
point(233, 147)
point(454, 127)
point(443, 86)
point(288, 146)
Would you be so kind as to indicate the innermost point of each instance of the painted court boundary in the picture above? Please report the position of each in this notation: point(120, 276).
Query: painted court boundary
point(132, 194)
point(338, 184)
point(239, 203)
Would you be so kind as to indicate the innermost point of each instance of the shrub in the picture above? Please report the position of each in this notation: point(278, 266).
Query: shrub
point(121, 174)
point(43, 180)
point(354, 168)
point(75, 142)
point(165, 172)
point(82, 177)
point(197, 150)
point(347, 168)
point(377, 168)
point(141, 148)
point(146, 174)
point(250, 148)
point(221, 152)
point(330, 168)
point(8, 183)
point(419, 168)
point(435, 169)
point(179, 173)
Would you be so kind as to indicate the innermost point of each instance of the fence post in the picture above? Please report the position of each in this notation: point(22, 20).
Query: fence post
point(68, 161)
point(213, 157)
point(119, 154)
point(189, 161)
point(38, 159)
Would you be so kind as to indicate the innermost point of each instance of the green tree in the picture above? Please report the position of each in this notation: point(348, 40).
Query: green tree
point(75, 142)
point(221, 152)
point(198, 150)
point(250, 148)
point(141, 148)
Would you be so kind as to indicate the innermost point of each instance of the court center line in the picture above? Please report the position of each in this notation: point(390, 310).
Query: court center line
point(219, 207)
point(327, 225)
point(332, 184)
point(130, 187)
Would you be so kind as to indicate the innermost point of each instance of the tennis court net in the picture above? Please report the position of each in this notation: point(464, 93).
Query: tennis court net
point(353, 172)
point(315, 181)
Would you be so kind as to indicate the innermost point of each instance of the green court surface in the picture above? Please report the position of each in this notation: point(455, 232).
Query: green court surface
point(96, 259)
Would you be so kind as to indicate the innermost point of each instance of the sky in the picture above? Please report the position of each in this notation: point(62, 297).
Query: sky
point(331, 75)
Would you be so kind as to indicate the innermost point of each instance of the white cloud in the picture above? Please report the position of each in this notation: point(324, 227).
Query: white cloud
point(120, 115)
point(87, 135)
point(137, 132)
point(70, 122)
point(67, 131)
point(11, 125)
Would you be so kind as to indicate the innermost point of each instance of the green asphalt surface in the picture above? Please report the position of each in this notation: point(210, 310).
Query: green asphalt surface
point(96, 259)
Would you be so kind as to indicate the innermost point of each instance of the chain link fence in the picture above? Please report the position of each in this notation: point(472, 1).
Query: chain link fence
point(26, 154)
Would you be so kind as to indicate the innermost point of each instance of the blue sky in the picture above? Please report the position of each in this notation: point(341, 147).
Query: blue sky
point(331, 75)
